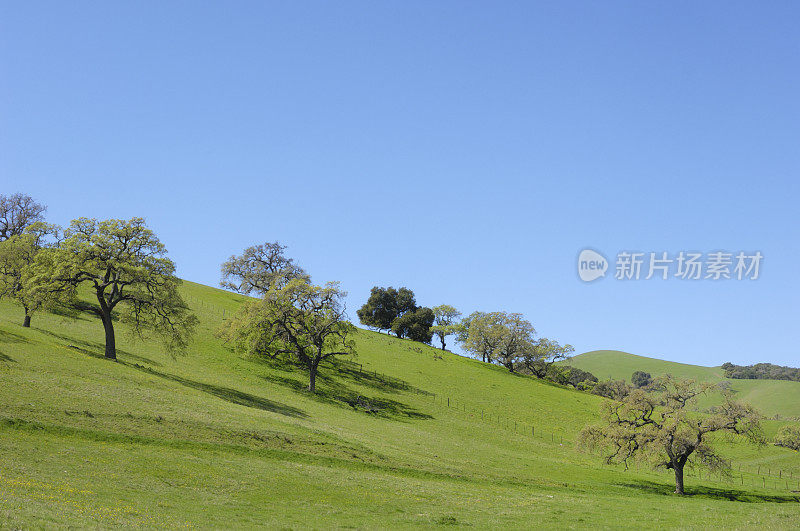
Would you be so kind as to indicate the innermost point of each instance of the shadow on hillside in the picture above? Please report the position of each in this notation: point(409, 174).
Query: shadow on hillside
point(11, 337)
point(346, 370)
point(713, 493)
point(96, 349)
point(225, 393)
point(331, 391)
point(6, 359)
point(353, 372)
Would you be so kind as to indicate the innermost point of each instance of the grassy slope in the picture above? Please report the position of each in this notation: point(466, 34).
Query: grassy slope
point(215, 439)
point(772, 397)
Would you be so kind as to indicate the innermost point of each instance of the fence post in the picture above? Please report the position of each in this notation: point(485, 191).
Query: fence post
point(533, 431)
point(448, 401)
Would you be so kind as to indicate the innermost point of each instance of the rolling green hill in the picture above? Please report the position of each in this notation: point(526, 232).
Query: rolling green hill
point(771, 397)
point(402, 435)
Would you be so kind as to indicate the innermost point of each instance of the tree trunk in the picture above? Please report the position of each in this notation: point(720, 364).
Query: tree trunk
point(312, 376)
point(27, 322)
point(678, 478)
point(442, 338)
point(111, 343)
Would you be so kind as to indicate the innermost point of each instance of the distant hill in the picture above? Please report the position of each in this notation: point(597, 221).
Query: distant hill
point(772, 397)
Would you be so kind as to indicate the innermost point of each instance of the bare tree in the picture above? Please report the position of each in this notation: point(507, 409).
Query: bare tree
point(18, 211)
point(260, 268)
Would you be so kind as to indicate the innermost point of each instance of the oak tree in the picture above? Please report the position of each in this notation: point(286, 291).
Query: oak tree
point(415, 325)
point(658, 424)
point(127, 270)
point(385, 305)
point(17, 212)
point(260, 268)
point(483, 334)
point(543, 354)
point(517, 339)
point(445, 322)
point(17, 257)
point(301, 322)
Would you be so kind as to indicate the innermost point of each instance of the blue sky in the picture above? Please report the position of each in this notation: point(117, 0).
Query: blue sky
point(467, 150)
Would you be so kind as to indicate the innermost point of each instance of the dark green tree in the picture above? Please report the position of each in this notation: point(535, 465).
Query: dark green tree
point(415, 325)
point(641, 379)
point(385, 305)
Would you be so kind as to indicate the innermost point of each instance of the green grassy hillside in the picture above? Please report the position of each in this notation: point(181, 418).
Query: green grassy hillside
point(771, 397)
point(214, 439)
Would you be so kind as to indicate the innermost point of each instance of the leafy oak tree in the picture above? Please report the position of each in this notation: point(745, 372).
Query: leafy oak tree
point(304, 323)
point(789, 437)
point(543, 354)
point(126, 268)
point(17, 212)
point(483, 334)
point(641, 379)
point(658, 425)
point(17, 257)
point(415, 325)
point(260, 268)
point(517, 339)
point(445, 322)
point(385, 305)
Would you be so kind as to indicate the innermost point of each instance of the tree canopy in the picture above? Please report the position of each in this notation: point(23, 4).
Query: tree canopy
point(641, 379)
point(385, 305)
point(789, 437)
point(483, 334)
point(415, 325)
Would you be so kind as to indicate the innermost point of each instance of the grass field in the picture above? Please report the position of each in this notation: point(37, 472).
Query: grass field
point(214, 439)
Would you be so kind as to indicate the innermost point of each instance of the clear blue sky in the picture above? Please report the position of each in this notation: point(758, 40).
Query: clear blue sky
point(467, 150)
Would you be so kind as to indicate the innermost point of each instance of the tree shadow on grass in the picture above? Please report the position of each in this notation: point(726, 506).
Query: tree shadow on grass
point(713, 493)
point(352, 371)
point(97, 349)
point(331, 391)
point(225, 393)
point(11, 337)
